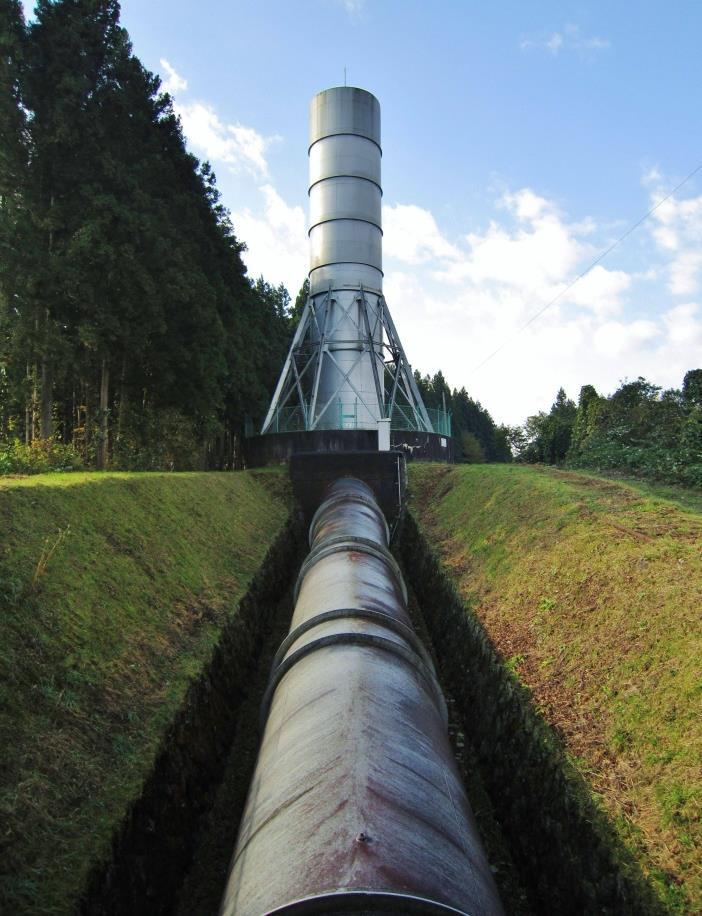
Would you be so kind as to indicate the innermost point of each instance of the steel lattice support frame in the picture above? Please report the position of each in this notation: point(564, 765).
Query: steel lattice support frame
point(376, 339)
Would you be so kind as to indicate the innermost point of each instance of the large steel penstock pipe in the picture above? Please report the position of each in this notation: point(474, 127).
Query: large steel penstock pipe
point(356, 805)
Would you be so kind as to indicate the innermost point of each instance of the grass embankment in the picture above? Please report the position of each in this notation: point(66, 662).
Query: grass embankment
point(113, 591)
point(592, 592)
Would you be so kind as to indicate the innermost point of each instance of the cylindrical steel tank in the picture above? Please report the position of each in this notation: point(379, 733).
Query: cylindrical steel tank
point(346, 251)
point(345, 190)
point(356, 805)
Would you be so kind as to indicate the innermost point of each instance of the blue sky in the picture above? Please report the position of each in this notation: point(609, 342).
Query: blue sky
point(519, 139)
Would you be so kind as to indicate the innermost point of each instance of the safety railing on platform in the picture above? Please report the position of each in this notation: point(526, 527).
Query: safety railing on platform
point(345, 415)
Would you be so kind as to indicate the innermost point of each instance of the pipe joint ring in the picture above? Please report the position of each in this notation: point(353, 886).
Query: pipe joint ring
point(364, 640)
point(349, 613)
point(351, 545)
point(347, 498)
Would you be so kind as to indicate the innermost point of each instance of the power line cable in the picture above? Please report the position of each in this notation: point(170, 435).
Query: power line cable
point(587, 270)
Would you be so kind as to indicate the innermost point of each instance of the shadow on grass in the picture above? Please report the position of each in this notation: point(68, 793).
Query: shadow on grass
point(161, 835)
point(567, 852)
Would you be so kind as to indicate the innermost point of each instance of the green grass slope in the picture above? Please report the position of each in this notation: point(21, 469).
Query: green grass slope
point(592, 592)
point(113, 590)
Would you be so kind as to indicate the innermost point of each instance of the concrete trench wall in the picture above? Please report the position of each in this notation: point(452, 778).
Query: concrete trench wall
point(566, 853)
point(154, 848)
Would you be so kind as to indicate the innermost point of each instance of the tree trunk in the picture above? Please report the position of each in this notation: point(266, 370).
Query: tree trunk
point(122, 400)
point(33, 409)
point(103, 446)
point(46, 403)
point(45, 421)
point(28, 410)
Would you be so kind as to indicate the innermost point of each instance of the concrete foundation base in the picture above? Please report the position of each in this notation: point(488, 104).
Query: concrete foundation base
point(278, 448)
point(384, 472)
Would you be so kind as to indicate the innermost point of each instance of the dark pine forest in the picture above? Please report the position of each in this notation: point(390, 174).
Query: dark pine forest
point(130, 334)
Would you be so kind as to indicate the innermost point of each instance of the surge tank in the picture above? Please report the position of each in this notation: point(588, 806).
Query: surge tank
point(345, 191)
point(346, 250)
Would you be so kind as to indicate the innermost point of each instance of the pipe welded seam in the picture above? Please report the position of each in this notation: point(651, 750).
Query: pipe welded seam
point(351, 545)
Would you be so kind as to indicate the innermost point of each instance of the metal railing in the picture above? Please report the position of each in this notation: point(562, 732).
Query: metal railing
point(404, 419)
point(345, 415)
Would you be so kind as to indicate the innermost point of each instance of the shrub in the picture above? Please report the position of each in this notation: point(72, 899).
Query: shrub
point(38, 457)
point(471, 450)
point(158, 440)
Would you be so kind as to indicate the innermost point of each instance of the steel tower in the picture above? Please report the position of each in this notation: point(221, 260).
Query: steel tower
point(346, 368)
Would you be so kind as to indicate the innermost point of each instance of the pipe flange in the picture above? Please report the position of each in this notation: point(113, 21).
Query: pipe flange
point(351, 498)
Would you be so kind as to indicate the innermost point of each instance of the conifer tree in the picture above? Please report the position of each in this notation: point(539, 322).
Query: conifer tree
point(13, 151)
point(72, 47)
point(13, 175)
point(126, 315)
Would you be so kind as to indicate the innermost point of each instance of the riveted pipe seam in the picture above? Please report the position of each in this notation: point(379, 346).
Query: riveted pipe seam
point(344, 175)
point(344, 219)
point(344, 133)
point(322, 264)
point(348, 541)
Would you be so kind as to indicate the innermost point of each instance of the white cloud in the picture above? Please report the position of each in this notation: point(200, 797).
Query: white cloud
point(525, 204)
point(174, 82)
point(683, 326)
point(533, 256)
point(617, 338)
point(276, 240)
point(684, 272)
point(677, 230)
point(555, 43)
point(274, 232)
point(601, 290)
point(569, 38)
point(666, 237)
point(241, 148)
point(353, 7)
point(472, 297)
point(652, 176)
point(411, 235)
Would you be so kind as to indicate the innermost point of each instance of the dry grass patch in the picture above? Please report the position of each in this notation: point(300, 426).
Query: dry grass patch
point(592, 592)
